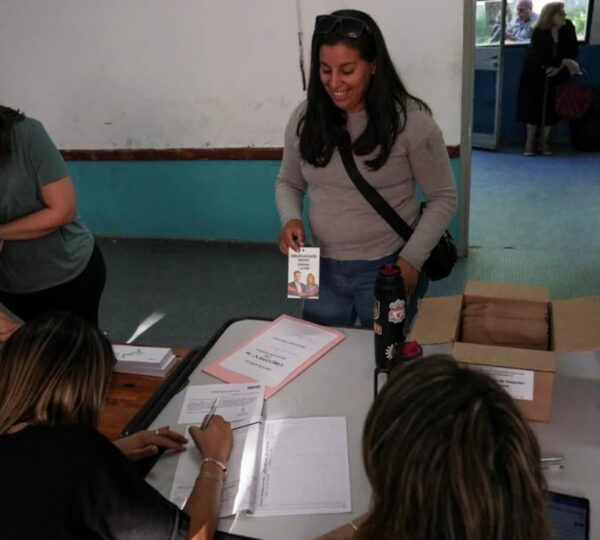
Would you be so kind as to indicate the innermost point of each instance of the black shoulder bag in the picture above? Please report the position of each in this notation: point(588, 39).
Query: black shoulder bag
point(443, 256)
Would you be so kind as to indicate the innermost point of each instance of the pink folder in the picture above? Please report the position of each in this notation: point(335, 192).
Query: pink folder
point(217, 370)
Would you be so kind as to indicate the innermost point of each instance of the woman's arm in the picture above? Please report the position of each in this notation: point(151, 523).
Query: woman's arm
point(205, 500)
point(428, 158)
point(59, 201)
point(290, 187)
point(147, 443)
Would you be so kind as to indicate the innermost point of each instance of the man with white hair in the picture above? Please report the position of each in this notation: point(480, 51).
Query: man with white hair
point(520, 29)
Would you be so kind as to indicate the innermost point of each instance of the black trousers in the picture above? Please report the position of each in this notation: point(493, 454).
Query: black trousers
point(81, 295)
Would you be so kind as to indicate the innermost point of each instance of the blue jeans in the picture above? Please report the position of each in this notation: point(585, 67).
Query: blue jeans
point(346, 291)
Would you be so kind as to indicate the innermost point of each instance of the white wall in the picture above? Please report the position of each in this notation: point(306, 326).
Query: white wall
point(199, 73)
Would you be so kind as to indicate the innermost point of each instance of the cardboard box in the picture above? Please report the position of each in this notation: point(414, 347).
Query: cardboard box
point(527, 374)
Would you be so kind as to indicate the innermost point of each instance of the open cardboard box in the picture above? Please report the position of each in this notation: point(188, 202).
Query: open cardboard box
point(527, 374)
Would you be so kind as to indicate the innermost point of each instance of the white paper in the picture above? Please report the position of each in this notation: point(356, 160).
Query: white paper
point(517, 382)
point(238, 403)
point(303, 273)
point(282, 467)
point(276, 353)
point(240, 481)
point(148, 355)
point(304, 467)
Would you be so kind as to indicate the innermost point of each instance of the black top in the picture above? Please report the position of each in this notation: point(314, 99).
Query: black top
point(535, 88)
point(72, 483)
point(547, 53)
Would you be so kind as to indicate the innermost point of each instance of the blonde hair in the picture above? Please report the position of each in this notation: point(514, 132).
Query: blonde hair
point(546, 18)
point(309, 277)
point(54, 370)
point(450, 457)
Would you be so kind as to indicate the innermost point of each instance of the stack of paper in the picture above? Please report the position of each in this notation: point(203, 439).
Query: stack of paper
point(279, 352)
point(153, 361)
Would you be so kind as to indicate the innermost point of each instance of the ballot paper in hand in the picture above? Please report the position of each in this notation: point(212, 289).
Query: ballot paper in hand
point(153, 361)
point(303, 273)
point(279, 467)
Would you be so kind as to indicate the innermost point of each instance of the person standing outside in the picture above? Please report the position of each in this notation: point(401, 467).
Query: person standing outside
point(49, 260)
point(521, 28)
point(354, 87)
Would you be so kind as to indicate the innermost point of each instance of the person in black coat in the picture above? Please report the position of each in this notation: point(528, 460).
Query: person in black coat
point(550, 62)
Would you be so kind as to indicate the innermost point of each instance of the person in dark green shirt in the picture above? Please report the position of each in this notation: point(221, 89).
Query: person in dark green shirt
point(48, 258)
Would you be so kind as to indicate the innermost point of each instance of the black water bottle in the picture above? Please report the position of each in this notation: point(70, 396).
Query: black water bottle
point(389, 315)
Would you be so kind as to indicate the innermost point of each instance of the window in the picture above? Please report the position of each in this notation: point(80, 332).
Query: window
point(519, 20)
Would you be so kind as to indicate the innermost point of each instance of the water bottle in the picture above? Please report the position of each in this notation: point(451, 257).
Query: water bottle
point(389, 315)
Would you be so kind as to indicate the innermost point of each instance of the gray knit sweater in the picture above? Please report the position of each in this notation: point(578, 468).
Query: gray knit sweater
point(343, 224)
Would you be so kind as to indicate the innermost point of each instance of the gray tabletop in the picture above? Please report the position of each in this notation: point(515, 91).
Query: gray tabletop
point(341, 384)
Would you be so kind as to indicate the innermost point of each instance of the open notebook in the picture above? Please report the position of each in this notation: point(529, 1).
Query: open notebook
point(277, 467)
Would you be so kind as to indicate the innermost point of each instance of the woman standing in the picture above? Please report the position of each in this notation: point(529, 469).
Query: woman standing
point(48, 258)
point(550, 62)
point(354, 87)
point(63, 479)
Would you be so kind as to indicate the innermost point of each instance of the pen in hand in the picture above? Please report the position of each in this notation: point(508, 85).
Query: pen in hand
point(210, 414)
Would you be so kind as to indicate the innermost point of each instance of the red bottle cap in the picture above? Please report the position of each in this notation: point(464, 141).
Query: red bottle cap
point(410, 349)
point(389, 270)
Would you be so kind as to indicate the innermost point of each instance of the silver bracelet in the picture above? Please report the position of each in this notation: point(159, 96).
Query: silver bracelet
point(215, 461)
point(353, 525)
point(211, 477)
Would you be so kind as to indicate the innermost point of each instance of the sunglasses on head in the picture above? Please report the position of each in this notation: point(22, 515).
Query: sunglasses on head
point(350, 27)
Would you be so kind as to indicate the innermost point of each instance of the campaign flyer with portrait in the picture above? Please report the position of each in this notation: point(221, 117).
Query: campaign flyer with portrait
point(303, 273)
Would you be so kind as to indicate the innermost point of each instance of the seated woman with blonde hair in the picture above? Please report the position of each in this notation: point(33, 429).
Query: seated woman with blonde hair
point(449, 457)
point(62, 478)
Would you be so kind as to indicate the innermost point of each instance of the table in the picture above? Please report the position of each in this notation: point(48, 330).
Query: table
point(574, 432)
point(315, 392)
point(341, 384)
point(127, 394)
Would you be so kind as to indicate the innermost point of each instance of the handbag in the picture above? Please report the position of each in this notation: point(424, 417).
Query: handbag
point(443, 256)
point(573, 100)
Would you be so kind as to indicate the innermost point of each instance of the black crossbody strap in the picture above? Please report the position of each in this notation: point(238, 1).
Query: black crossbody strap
point(371, 194)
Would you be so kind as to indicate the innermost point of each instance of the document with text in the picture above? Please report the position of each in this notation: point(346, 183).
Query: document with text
point(279, 467)
point(277, 354)
point(236, 403)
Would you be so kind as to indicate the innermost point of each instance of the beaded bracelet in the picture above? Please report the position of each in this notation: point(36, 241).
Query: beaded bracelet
point(215, 461)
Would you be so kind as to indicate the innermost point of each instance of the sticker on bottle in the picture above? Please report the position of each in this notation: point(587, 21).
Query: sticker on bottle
point(376, 309)
point(397, 311)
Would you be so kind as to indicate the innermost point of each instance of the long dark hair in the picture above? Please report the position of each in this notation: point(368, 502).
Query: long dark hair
point(449, 456)
point(54, 370)
point(386, 100)
point(8, 117)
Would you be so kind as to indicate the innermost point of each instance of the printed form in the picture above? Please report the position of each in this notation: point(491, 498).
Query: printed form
point(279, 467)
point(277, 354)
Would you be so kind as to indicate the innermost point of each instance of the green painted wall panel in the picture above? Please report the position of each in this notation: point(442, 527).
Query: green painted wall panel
point(217, 200)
